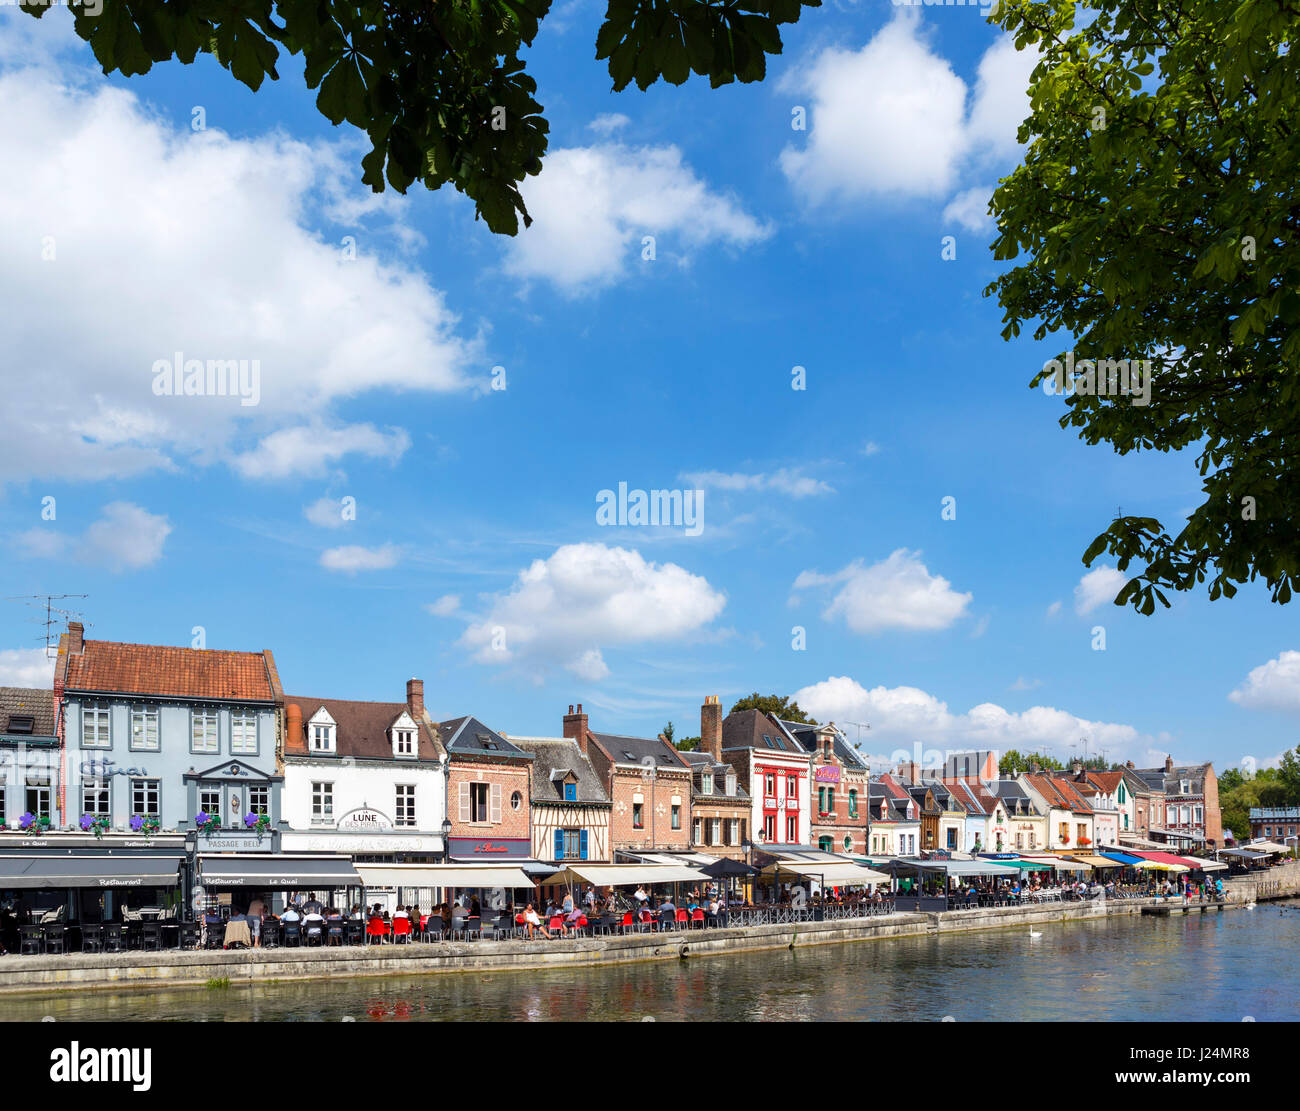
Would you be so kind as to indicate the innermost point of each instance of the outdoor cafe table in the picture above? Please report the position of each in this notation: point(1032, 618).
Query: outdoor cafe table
point(238, 933)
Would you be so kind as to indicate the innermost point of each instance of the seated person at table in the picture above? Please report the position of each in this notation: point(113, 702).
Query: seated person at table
point(667, 906)
point(335, 915)
point(532, 922)
point(291, 914)
point(355, 912)
point(400, 912)
point(475, 907)
point(458, 916)
point(713, 908)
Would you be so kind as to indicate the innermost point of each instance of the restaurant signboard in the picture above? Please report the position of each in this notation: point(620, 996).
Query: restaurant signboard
point(828, 774)
point(489, 848)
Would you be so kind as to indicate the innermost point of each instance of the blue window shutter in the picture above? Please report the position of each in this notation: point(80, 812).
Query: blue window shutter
point(583, 846)
point(559, 844)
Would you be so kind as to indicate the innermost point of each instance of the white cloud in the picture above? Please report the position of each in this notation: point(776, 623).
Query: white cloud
point(1000, 103)
point(311, 450)
point(970, 209)
point(351, 558)
point(626, 193)
point(445, 606)
point(1054, 609)
point(213, 251)
point(1274, 685)
point(25, 667)
point(871, 448)
point(1023, 684)
point(125, 537)
point(894, 120)
point(785, 481)
point(896, 593)
point(564, 609)
point(590, 666)
point(908, 716)
point(325, 512)
point(609, 122)
point(1097, 588)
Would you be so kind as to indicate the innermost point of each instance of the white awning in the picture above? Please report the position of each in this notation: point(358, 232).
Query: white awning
point(1057, 863)
point(443, 875)
point(626, 875)
point(832, 872)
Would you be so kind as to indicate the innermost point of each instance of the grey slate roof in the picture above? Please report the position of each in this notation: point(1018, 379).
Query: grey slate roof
point(753, 729)
point(553, 759)
point(806, 737)
point(639, 750)
point(701, 762)
point(469, 737)
point(1157, 779)
point(33, 702)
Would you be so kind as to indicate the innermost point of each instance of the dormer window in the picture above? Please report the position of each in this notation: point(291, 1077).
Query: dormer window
point(322, 733)
point(731, 784)
point(1185, 787)
point(706, 783)
point(570, 792)
point(403, 742)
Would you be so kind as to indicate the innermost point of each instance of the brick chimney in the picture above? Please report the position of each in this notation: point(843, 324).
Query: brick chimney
point(415, 697)
point(293, 735)
point(711, 728)
point(76, 638)
point(1130, 764)
point(575, 727)
point(1169, 764)
point(908, 773)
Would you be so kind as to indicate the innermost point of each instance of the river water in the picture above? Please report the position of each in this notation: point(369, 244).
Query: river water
point(1224, 966)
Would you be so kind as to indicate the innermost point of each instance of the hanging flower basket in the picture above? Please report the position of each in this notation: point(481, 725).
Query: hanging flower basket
point(207, 823)
point(94, 823)
point(258, 823)
point(148, 825)
point(30, 823)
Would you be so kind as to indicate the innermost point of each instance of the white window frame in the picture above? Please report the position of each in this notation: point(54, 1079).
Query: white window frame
point(150, 786)
point(404, 743)
point(102, 713)
point(142, 716)
point(706, 783)
point(404, 805)
point(322, 802)
point(210, 800)
point(101, 786)
point(264, 791)
point(243, 732)
point(207, 717)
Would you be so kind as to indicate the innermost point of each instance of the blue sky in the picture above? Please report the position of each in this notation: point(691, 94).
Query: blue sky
point(475, 559)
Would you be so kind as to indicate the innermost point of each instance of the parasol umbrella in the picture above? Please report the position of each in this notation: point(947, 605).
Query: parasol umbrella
point(724, 868)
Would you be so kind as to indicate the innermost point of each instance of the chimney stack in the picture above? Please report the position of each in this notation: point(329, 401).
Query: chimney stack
point(293, 726)
point(575, 727)
point(1077, 768)
point(1169, 764)
point(415, 697)
point(76, 638)
point(711, 728)
point(1130, 764)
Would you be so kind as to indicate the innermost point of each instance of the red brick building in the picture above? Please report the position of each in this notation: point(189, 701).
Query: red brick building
point(720, 805)
point(489, 794)
point(648, 783)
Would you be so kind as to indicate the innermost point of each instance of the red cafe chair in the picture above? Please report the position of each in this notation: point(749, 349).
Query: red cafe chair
point(375, 928)
point(697, 916)
point(401, 929)
point(682, 918)
point(627, 922)
point(556, 925)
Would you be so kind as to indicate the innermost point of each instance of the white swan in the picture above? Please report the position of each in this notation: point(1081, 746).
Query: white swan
point(1032, 933)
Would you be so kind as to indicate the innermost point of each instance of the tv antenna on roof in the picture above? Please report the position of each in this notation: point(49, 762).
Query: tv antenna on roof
point(52, 614)
point(861, 726)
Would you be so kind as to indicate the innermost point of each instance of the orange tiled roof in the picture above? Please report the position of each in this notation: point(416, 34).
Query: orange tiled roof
point(176, 672)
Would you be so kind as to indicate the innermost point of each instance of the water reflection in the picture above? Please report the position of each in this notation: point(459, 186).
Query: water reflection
point(1221, 966)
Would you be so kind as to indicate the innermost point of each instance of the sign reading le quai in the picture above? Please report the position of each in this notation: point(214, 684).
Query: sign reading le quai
point(365, 820)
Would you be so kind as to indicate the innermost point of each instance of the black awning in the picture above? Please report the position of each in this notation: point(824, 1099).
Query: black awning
point(277, 873)
point(88, 871)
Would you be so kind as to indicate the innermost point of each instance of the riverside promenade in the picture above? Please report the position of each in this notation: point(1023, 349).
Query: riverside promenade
point(136, 970)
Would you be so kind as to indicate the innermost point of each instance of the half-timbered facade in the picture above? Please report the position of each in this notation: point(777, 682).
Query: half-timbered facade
point(571, 808)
